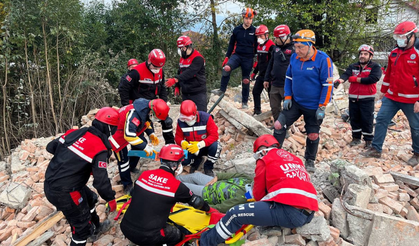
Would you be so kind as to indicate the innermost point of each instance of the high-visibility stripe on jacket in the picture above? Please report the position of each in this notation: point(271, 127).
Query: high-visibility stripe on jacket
point(204, 129)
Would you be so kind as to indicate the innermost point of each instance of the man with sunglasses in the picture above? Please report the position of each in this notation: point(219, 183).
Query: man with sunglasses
point(197, 132)
point(400, 90)
point(363, 76)
point(191, 74)
point(277, 68)
point(240, 53)
point(308, 89)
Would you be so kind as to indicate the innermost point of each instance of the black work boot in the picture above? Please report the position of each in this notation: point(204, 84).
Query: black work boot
point(368, 144)
point(414, 160)
point(371, 153)
point(103, 227)
point(310, 166)
point(355, 142)
point(209, 172)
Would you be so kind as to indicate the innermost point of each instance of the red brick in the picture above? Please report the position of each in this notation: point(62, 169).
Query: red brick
point(383, 178)
point(334, 232)
point(295, 239)
point(25, 225)
point(395, 206)
point(325, 209)
point(30, 215)
point(375, 207)
point(390, 187)
point(412, 214)
point(415, 202)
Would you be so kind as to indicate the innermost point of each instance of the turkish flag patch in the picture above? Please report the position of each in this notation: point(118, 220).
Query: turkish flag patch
point(128, 78)
point(288, 52)
point(136, 121)
point(102, 164)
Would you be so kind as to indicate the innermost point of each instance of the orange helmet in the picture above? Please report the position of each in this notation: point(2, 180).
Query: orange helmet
point(305, 35)
point(188, 110)
point(262, 29)
point(132, 62)
point(108, 116)
point(183, 41)
point(266, 141)
point(159, 108)
point(282, 31)
point(157, 58)
point(171, 152)
point(248, 13)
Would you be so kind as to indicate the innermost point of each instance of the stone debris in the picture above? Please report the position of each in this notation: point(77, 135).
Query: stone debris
point(360, 202)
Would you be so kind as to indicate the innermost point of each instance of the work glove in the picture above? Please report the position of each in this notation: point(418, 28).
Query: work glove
point(196, 146)
point(225, 61)
point(287, 104)
point(170, 82)
point(154, 139)
point(112, 205)
point(353, 79)
point(336, 83)
point(185, 144)
point(320, 113)
point(252, 77)
point(149, 150)
point(177, 92)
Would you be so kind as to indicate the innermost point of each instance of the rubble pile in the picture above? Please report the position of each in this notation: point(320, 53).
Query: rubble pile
point(362, 201)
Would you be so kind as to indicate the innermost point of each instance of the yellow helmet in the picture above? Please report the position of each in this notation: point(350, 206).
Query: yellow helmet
point(305, 35)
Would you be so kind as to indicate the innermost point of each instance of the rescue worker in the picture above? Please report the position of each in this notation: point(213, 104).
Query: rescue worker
point(240, 53)
point(363, 76)
point(155, 193)
point(400, 90)
point(191, 74)
point(146, 81)
point(197, 132)
point(131, 64)
point(277, 68)
point(307, 92)
point(134, 120)
point(282, 189)
point(77, 155)
point(221, 192)
point(264, 53)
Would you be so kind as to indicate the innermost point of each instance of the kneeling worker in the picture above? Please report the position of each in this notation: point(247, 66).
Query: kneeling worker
point(155, 193)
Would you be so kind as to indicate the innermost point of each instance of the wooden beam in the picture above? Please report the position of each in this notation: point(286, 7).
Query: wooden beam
point(409, 180)
point(40, 228)
point(234, 122)
point(40, 240)
point(263, 116)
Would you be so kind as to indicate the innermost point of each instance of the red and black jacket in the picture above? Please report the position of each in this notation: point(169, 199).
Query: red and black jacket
point(204, 129)
point(191, 74)
point(264, 53)
point(278, 64)
point(140, 82)
point(77, 154)
point(369, 75)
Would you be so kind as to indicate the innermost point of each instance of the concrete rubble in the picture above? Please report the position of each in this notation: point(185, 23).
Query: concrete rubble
point(360, 202)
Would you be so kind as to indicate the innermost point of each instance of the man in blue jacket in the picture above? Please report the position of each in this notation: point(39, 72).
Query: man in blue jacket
point(308, 89)
point(240, 53)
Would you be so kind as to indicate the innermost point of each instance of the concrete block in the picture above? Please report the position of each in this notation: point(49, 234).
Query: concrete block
point(358, 229)
point(15, 196)
point(339, 218)
point(358, 195)
point(317, 230)
point(390, 230)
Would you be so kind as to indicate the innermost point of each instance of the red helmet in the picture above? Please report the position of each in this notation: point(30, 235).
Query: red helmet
point(262, 29)
point(366, 47)
point(171, 152)
point(282, 31)
point(266, 141)
point(160, 108)
point(157, 58)
point(132, 62)
point(108, 116)
point(188, 110)
point(248, 13)
point(183, 41)
point(405, 27)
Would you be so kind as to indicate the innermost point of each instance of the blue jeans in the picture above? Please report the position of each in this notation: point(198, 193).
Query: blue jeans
point(255, 213)
point(387, 111)
point(246, 64)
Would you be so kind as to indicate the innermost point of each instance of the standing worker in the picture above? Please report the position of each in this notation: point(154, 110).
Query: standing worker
point(400, 90)
point(77, 155)
point(264, 52)
point(308, 89)
point(154, 195)
point(191, 75)
point(363, 76)
point(277, 68)
point(240, 53)
point(197, 132)
point(282, 189)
